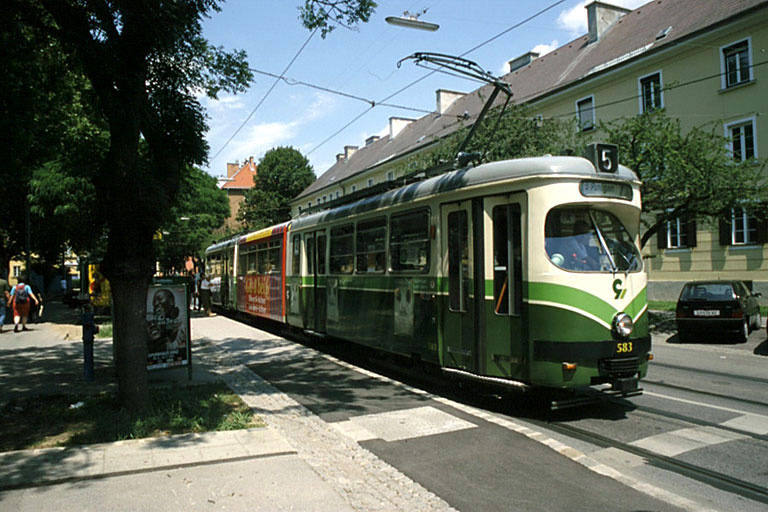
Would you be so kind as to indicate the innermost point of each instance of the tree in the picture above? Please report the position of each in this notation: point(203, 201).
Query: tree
point(684, 175)
point(283, 173)
point(43, 104)
point(144, 61)
point(513, 133)
point(200, 207)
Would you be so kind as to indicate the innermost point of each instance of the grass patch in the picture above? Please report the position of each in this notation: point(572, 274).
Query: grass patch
point(662, 305)
point(59, 420)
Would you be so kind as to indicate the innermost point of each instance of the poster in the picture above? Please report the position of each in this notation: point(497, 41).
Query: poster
point(168, 334)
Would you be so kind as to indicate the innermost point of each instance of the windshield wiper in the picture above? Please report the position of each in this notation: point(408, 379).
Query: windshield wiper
point(603, 243)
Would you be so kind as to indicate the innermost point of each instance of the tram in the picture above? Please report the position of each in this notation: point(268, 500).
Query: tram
point(524, 273)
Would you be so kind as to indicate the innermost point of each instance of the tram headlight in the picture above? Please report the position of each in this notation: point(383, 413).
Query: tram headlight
point(623, 325)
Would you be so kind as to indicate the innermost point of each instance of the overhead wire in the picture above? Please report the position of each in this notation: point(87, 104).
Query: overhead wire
point(266, 95)
point(421, 79)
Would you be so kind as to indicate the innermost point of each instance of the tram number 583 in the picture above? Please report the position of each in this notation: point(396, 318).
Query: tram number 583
point(624, 347)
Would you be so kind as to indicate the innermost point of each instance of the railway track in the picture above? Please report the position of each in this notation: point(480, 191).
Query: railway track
point(715, 479)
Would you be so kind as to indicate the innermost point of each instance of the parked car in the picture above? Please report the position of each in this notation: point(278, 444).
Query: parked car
point(710, 308)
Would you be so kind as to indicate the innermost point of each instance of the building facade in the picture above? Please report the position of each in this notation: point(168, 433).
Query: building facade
point(704, 62)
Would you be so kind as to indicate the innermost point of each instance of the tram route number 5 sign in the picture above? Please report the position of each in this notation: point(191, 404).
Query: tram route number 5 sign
point(605, 157)
point(168, 333)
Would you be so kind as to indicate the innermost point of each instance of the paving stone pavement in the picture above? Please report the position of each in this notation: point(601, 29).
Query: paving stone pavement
point(364, 480)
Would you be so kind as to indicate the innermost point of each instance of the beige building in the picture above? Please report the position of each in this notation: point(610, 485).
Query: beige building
point(703, 61)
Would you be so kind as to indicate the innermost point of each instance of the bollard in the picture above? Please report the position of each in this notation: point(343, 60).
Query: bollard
point(89, 329)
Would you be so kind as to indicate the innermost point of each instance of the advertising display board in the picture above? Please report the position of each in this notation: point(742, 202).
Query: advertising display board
point(168, 327)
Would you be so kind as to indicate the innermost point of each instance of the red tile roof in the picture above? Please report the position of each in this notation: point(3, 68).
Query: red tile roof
point(242, 179)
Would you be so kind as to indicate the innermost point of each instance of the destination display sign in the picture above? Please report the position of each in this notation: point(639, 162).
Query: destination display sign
point(590, 188)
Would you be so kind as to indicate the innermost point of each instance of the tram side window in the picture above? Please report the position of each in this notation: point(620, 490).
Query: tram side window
point(296, 255)
point(322, 241)
point(409, 242)
point(371, 246)
point(458, 261)
point(342, 249)
point(507, 260)
point(275, 261)
point(252, 264)
point(262, 258)
point(310, 241)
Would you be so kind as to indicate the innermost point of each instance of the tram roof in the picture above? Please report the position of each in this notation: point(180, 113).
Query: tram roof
point(505, 170)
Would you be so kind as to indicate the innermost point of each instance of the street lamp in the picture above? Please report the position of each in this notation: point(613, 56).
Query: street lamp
point(409, 20)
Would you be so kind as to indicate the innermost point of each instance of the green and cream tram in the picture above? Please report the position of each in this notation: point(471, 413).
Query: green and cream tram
point(522, 272)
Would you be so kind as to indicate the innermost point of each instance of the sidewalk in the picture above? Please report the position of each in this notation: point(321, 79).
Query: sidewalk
point(297, 462)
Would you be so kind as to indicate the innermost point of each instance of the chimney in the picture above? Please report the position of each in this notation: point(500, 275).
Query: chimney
point(349, 151)
point(232, 168)
point(250, 162)
point(397, 124)
point(522, 61)
point(600, 17)
point(445, 99)
point(339, 157)
point(370, 140)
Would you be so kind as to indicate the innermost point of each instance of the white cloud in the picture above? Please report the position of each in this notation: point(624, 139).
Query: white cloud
point(543, 48)
point(256, 140)
point(223, 104)
point(574, 20)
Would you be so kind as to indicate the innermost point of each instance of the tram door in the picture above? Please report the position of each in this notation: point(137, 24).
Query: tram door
point(458, 316)
point(504, 345)
point(314, 300)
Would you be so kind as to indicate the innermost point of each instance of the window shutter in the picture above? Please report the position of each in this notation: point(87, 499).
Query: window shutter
point(762, 231)
point(690, 232)
point(725, 232)
point(661, 234)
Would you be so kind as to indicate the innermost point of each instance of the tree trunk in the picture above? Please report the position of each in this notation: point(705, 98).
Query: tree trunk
point(129, 310)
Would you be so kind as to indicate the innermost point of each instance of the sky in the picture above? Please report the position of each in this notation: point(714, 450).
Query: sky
point(319, 120)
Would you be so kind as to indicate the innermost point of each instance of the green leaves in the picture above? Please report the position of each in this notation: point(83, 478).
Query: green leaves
point(685, 175)
point(283, 173)
point(325, 14)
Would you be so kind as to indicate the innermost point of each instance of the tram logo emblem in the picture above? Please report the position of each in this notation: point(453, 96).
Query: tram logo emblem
point(618, 290)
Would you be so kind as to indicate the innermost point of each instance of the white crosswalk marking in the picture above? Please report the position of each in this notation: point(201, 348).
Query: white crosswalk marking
point(686, 439)
point(402, 424)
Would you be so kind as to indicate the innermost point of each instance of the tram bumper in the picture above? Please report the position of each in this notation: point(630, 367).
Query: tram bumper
point(575, 364)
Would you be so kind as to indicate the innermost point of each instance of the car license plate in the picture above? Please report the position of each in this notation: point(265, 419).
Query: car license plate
point(706, 312)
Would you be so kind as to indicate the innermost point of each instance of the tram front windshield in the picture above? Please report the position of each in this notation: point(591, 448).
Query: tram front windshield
point(589, 240)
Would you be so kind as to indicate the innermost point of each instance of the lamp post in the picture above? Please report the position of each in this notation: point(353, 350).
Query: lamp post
point(410, 20)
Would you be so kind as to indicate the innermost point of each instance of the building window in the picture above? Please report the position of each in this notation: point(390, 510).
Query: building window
point(736, 63)
point(338, 194)
point(370, 182)
point(586, 110)
point(740, 228)
point(17, 271)
point(650, 93)
point(354, 187)
point(390, 175)
point(741, 135)
point(743, 227)
point(680, 234)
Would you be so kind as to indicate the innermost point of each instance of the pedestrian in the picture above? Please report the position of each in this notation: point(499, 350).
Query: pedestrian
point(21, 294)
point(196, 298)
point(5, 299)
point(205, 293)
